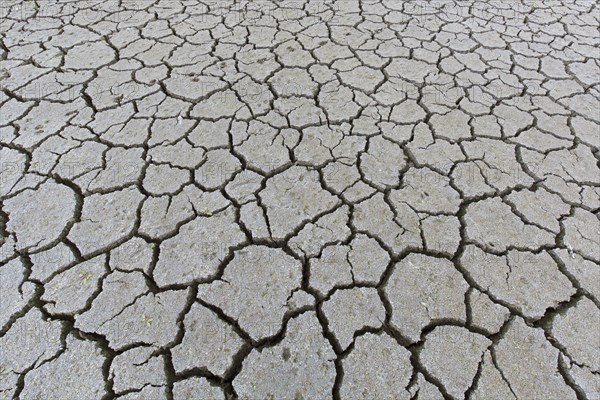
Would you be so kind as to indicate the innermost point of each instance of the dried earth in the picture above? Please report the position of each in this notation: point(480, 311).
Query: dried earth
point(308, 199)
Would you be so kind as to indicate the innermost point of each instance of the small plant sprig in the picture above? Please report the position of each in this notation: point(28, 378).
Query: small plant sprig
point(85, 276)
point(147, 320)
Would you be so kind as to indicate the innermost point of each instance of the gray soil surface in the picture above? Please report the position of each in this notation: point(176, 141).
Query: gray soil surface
point(303, 200)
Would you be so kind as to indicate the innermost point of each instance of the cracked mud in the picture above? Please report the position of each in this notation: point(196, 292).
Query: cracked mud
point(308, 199)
